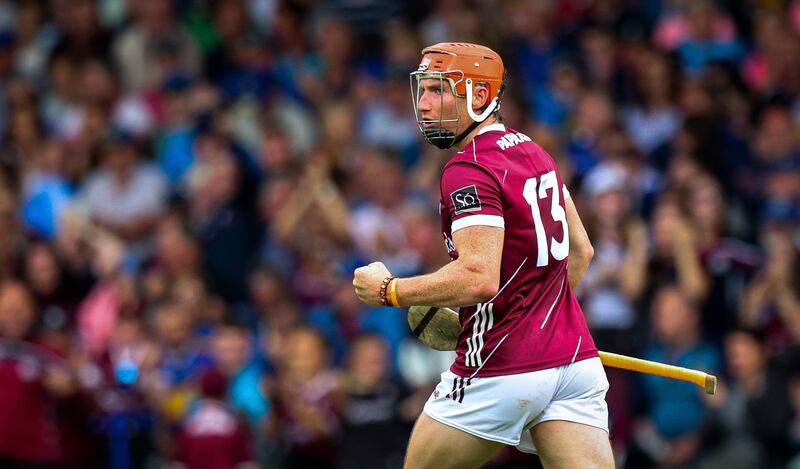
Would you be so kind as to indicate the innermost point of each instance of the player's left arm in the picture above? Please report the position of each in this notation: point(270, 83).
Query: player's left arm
point(580, 246)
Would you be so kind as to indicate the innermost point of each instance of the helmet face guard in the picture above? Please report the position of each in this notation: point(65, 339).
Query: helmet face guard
point(434, 131)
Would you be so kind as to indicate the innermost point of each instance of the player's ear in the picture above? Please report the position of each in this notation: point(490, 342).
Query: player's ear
point(480, 96)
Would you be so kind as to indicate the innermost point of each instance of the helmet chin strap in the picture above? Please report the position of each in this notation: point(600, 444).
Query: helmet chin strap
point(444, 139)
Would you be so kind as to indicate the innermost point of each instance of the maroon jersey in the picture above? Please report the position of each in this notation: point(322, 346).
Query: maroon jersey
point(534, 322)
point(28, 427)
point(213, 438)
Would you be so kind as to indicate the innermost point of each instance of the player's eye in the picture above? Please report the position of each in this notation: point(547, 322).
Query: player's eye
point(437, 90)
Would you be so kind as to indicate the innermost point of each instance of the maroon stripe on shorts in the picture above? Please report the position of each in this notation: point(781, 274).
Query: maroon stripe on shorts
point(452, 391)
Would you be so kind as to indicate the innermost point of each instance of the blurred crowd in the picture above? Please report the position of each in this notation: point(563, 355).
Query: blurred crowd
point(187, 185)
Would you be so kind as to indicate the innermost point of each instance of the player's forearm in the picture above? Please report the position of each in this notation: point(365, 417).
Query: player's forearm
point(577, 265)
point(456, 284)
point(580, 247)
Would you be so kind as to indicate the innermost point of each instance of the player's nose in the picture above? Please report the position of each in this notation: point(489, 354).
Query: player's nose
point(424, 104)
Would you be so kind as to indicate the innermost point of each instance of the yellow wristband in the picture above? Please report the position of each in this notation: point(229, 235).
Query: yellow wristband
point(393, 292)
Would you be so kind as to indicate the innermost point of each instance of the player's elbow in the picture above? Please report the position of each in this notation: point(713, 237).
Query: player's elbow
point(479, 280)
point(480, 291)
point(482, 286)
point(587, 251)
point(584, 251)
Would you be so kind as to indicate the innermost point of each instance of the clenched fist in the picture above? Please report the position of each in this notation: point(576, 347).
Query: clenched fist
point(367, 282)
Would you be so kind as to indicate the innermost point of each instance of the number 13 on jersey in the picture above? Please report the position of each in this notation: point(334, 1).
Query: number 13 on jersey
point(559, 249)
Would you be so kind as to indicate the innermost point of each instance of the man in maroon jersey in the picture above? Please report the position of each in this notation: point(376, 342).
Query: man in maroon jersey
point(527, 372)
point(212, 436)
point(32, 380)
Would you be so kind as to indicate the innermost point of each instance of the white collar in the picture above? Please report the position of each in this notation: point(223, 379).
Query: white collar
point(492, 128)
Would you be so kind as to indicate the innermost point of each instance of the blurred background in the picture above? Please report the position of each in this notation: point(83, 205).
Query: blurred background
point(186, 187)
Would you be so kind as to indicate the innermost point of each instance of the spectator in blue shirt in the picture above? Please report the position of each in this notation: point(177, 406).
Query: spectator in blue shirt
point(672, 417)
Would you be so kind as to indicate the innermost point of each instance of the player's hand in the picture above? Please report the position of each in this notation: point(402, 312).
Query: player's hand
point(367, 282)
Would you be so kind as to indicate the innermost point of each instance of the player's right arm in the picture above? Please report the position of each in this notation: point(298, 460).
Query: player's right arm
point(471, 196)
point(580, 247)
point(472, 278)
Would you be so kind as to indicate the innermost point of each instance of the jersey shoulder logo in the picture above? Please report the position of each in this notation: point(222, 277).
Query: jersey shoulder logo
point(466, 199)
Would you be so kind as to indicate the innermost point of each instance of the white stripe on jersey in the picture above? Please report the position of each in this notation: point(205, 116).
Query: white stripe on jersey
point(482, 324)
point(509, 281)
point(485, 361)
point(488, 314)
point(478, 220)
point(558, 295)
point(497, 294)
point(470, 347)
point(479, 339)
point(471, 359)
point(576, 349)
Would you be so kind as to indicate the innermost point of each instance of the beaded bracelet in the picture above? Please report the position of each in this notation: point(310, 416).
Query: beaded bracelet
point(384, 284)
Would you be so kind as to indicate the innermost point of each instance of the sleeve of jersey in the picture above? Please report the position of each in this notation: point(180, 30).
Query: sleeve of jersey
point(472, 197)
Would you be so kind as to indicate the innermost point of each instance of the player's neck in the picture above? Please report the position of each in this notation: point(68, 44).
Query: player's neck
point(468, 138)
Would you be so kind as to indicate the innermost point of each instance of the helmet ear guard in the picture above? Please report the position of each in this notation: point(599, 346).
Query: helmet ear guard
point(486, 112)
point(493, 106)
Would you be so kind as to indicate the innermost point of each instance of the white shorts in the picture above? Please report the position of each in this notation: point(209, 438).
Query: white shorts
point(504, 408)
